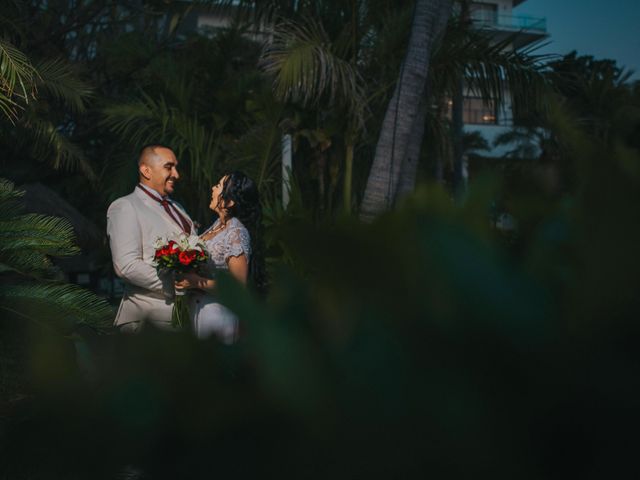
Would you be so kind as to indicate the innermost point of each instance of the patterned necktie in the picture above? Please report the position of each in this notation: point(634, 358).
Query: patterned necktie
point(170, 209)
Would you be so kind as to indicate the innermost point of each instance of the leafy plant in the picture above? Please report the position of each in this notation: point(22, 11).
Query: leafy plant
point(17, 80)
point(32, 287)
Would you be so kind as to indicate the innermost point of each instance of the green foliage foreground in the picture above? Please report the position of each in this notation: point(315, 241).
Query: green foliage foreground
point(427, 343)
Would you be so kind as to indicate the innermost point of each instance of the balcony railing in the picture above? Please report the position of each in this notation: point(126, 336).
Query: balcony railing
point(510, 22)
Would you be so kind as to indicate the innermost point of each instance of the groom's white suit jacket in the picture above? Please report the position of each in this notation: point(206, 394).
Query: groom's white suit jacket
point(134, 223)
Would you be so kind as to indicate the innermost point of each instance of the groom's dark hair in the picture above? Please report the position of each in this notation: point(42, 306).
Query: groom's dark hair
point(150, 148)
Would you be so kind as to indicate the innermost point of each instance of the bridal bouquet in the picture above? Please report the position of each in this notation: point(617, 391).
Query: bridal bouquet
point(182, 254)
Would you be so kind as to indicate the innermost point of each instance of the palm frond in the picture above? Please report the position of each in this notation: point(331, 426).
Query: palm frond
point(197, 142)
point(58, 78)
point(8, 107)
point(525, 142)
point(54, 302)
point(41, 233)
point(258, 152)
point(515, 72)
point(28, 263)
point(51, 144)
point(26, 241)
point(138, 121)
point(32, 227)
point(306, 69)
point(492, 70)
point(17, 78)
point(144, 120)
point(43, 130)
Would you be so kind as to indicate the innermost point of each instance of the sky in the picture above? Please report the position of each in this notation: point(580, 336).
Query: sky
point(602, 28)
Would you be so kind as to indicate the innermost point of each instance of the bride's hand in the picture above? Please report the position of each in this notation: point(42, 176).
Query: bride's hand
point(188, 280)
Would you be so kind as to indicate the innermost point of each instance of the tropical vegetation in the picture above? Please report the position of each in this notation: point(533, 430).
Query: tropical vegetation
point(458, 331)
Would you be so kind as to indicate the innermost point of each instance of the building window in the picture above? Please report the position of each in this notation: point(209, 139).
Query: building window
point(478, 112)
point(484, 13)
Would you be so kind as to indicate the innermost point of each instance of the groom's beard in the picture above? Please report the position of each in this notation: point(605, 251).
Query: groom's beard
point(170, 184)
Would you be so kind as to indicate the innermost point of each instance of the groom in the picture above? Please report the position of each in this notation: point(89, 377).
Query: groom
point(134, 222)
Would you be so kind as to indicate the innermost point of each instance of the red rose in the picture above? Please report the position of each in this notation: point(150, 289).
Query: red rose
point(187, 257)
point(172, 248)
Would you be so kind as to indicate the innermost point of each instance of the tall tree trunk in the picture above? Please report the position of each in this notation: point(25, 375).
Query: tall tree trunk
point(457, 133)
point(457, 122)
point(409, 165)
point(440, 154)
point(429, 20)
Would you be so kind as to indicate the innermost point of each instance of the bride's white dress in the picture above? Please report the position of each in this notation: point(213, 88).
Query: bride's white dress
point(208, 316)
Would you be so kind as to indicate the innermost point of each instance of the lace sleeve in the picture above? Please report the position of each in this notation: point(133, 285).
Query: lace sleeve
point(238, 242)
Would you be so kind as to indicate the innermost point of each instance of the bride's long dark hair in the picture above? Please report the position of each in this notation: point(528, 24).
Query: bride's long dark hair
point(246, 207)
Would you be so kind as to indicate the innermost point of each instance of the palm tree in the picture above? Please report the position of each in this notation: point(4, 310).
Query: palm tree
point(490, 69)
point(32, 288)
point(47, 126)
point(310, 69)
point(391, 157)
point(42, 94)
point(599, 93)
point(320, 54)
point(325, 107)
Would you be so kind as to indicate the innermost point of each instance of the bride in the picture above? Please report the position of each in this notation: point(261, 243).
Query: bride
point(229, 243)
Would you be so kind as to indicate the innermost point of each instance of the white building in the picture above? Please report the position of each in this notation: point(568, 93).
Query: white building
point(497, 18)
